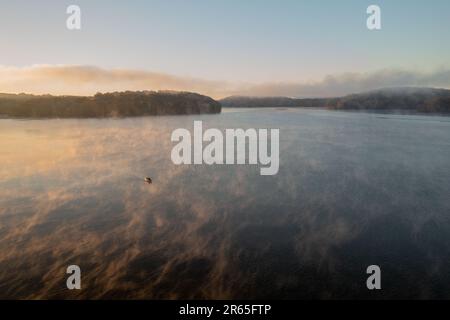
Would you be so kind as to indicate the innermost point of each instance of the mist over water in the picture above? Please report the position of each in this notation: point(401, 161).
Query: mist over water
point(353, 189)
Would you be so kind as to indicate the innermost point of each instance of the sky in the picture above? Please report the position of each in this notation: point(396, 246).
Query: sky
point(223, 47)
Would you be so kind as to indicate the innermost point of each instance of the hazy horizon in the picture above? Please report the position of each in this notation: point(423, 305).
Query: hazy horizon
point(89, 80)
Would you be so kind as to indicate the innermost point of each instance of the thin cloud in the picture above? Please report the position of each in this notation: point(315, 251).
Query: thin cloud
point(87, 80)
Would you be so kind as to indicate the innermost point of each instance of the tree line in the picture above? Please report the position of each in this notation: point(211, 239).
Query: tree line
point(102, 105)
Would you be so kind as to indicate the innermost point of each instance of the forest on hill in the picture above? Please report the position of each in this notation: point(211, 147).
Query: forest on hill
point(426, 100)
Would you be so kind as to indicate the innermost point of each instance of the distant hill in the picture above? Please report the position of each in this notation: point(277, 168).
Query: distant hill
point(269, 102)
point(117, 104)
point(416, 99)
point(426, 100)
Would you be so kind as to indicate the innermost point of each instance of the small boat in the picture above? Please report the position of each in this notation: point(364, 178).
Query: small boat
point(148, 180)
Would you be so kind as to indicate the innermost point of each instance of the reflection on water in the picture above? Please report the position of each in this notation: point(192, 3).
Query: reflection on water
point(353, 190)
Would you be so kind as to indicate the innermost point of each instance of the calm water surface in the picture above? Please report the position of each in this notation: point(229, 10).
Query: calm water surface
point(354, 189)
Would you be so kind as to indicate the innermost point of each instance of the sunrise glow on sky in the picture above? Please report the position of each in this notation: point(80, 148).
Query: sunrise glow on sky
point(290, 47)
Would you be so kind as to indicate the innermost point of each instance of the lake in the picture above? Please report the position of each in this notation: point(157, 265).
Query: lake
point(353, 190)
